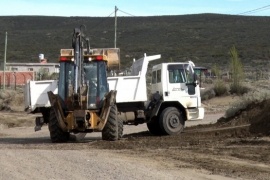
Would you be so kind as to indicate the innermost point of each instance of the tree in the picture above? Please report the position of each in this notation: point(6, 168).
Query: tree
point(237, 73)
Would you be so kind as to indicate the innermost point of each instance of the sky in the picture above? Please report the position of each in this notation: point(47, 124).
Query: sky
point(104, 8)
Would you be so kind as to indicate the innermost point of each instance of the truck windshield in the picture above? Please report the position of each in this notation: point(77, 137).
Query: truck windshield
point(180, 74)
point(177, 76)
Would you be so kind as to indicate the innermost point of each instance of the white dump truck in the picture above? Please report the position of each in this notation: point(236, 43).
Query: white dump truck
point(173, 99)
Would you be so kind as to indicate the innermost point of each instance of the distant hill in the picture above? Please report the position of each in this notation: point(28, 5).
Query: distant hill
point(203, 38)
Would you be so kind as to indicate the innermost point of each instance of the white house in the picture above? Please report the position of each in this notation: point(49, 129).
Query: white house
point(49, 68)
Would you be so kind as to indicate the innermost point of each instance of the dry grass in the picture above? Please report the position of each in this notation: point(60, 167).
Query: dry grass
point(11, 100)
point(247, 99)
point(11, 109)
point(231, 104)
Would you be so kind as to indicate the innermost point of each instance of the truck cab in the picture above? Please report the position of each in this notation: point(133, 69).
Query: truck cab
point(177, 83)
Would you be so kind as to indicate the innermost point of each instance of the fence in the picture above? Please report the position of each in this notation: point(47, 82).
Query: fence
point(14, 79)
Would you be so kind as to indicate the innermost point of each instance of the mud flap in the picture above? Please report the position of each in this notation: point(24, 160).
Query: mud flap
point(39, 123)
point(153, 111)
point(56, 106)
point(109, 101)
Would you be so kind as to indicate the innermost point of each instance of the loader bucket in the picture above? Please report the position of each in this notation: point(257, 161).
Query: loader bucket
point(109, 101)
point(56, 106)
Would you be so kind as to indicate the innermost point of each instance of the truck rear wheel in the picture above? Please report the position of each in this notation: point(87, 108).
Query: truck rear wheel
point(110, 130)
point(56, 133)
point(154, 128)
point(171, 121)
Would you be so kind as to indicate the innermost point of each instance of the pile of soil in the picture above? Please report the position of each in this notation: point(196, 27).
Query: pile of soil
point(255, 114)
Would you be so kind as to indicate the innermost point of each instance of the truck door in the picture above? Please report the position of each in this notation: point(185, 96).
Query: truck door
point(180, 86)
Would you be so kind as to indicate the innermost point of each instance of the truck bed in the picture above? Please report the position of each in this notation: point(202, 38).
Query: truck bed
point(35, 94)
point(129, 88)
point(132, 88)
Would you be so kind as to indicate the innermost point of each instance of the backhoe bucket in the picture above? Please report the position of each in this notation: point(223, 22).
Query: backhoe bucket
point(56, 107)
point(109, 101)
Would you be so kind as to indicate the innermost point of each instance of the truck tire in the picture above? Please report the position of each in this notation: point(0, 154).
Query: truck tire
point(110, 130)
point(154, 128)
point(56, 133)
point(171, 121)
point(120, 128)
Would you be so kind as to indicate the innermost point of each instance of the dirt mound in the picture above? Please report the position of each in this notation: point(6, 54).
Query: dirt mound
point(260, 124)
point(255, 114)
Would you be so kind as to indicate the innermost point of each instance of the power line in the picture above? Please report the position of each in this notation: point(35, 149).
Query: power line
point(125, 12)
point(103, 20)
point(255, 10)
point(106, 18)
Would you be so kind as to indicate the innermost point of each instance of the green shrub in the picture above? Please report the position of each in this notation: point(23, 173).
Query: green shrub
point(237, 74)
point(207, 94)
point(238, 89)
point(220, 88)
point(219, 85)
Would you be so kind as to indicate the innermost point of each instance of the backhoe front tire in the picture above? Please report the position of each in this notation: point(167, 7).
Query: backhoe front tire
point(110, 130)
point(120, 128)
point(56, 133)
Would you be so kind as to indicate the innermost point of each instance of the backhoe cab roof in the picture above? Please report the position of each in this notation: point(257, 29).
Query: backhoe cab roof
point(111, 55)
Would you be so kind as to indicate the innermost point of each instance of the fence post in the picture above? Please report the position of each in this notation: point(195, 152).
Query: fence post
point(15, 79)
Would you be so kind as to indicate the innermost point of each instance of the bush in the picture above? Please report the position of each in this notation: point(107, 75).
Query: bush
point(220, 88)
point(239, 89)
point(11, 100)
point(207, 94)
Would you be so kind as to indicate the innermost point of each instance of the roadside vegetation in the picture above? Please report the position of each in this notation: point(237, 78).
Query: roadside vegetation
point(237, 74)
point(249, 88)
point(11, 100)
point(12, 109)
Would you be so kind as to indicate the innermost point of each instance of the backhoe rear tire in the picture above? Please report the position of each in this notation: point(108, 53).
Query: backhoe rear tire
point(56, 133)
point(110, 130)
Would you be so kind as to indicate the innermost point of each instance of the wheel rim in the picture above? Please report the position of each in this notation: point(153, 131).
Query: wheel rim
point(174, 122)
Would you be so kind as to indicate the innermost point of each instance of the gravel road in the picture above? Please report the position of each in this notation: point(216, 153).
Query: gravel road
point(25, 154)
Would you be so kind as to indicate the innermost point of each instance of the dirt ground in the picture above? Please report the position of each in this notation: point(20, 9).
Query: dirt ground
point(233, 148)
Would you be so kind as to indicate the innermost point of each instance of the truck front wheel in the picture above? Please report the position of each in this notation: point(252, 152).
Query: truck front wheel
point(171, 121)
point(56, 133)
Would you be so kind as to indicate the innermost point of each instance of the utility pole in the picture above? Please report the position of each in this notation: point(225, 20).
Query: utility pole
point(5, 59)
point(115, 26)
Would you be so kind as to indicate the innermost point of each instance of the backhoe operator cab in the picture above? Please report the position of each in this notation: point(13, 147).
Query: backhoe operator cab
point(175, 98)
point(93, 76)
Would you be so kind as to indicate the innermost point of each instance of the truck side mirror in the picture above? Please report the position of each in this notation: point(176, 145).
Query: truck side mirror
point(193, 81)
